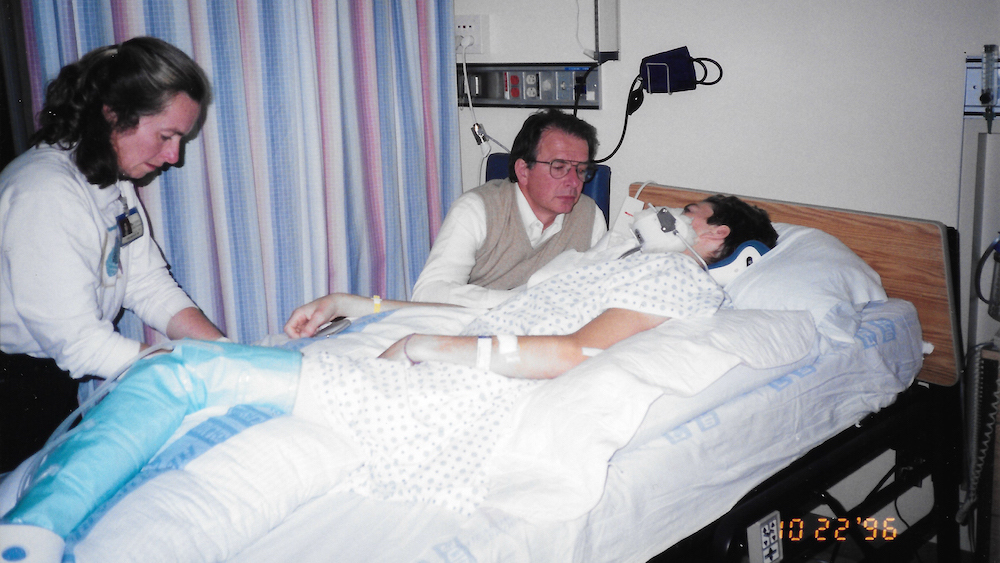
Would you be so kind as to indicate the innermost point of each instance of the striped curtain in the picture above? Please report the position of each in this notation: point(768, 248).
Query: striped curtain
point(329, 156)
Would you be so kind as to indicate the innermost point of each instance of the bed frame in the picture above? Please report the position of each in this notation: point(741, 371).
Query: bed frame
point(923, 428)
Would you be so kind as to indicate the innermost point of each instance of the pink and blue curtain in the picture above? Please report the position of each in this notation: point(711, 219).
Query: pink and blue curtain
point(329, 156)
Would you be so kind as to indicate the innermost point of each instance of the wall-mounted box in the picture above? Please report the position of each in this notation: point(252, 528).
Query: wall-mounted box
point(536, 85)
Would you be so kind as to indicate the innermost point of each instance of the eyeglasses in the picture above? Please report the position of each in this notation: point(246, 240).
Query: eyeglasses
point(559, 168)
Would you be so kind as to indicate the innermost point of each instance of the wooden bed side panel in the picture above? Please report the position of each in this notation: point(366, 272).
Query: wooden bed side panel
point(910, 255)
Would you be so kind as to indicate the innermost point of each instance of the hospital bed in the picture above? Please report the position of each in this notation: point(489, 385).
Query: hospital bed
point(653, 448)
point(922, 428)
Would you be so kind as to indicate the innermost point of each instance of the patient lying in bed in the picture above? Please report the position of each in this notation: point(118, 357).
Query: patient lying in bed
point(593, 308)
point(400, 440)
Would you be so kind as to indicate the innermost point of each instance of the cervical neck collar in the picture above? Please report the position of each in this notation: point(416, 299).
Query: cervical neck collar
point(745, 254)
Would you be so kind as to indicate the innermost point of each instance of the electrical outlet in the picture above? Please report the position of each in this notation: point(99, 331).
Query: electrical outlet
point(567, 85)
point(474, 28)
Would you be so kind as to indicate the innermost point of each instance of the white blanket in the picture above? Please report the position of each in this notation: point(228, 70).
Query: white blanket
point(549, 464)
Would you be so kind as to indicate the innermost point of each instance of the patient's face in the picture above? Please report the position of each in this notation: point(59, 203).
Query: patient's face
point(708, 238)
point(699, 213)
point(549, 196)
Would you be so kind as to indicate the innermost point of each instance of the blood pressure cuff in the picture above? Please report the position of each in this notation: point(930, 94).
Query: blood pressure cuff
point(669, 71)
point(118, 436)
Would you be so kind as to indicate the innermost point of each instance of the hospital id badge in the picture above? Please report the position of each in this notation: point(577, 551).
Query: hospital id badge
point(130, 226)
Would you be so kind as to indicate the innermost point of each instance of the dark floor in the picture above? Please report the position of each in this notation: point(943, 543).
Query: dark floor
point(850, 554)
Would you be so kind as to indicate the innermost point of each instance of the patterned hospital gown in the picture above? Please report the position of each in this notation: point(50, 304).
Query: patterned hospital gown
point(428, 430)
point(670, 285)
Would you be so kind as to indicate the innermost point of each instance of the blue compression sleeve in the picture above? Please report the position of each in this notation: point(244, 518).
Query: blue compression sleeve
point(120, 434)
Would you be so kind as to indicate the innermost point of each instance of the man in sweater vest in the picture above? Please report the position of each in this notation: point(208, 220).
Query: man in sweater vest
point(495, 236)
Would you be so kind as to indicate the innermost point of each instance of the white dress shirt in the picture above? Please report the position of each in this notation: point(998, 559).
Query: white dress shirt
point(445, 277)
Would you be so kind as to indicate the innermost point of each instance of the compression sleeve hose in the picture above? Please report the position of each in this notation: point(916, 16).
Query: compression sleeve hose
point(127, 428)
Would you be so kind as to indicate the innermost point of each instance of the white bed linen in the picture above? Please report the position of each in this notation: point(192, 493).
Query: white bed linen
point(689, 463)
point(578, 420)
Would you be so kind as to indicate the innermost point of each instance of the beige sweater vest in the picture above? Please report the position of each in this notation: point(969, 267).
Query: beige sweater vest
point(506, 259)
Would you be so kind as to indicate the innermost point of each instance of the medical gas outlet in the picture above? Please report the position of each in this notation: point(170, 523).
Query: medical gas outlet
point(531, 85)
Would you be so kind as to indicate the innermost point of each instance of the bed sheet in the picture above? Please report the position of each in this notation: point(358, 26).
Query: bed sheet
point(689, 463)
point(361, 528)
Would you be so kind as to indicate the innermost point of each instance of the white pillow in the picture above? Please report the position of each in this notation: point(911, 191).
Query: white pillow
point(810, 270)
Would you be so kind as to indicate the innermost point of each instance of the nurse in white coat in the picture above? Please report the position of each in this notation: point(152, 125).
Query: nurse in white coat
point(75, 246)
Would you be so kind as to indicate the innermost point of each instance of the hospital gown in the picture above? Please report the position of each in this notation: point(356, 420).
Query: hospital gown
point(427, 431)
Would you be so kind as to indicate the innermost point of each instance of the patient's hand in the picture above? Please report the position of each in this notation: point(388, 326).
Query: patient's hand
point(306, 319)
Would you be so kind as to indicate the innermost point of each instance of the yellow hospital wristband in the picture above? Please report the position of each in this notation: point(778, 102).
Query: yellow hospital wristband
point(378, 303)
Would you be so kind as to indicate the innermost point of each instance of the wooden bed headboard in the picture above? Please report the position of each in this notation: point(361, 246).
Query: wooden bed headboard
point(911, 255)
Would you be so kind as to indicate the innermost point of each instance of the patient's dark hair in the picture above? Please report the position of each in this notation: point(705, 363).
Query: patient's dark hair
point(133, 79)
point(526, 143)
point(746, 222)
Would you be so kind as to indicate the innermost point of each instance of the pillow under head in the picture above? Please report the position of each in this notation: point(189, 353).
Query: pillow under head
point(813, 271)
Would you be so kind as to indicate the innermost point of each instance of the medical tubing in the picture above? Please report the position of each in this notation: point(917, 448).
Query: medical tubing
point(468, 92)
point(104, 388)
point(119, 435)
point(90, 465)
point(492, 139)
point(63, 431)
point(704, 79)
point(636, 196)
point(701, 261)
point(624, 126)
point(642, 187)
point(976, 427)
point(993, 247)
point(487, 149)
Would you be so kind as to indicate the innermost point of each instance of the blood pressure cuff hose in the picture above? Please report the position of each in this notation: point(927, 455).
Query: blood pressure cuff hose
point(129, 426)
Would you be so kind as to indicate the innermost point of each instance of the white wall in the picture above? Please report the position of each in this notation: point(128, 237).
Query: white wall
point(854, 104)
point(845, 103)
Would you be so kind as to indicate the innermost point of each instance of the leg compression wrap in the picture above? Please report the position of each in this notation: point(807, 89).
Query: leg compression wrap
point(118, 436)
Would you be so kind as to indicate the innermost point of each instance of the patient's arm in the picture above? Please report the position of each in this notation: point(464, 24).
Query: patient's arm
point(304, 320)
point(539, 357)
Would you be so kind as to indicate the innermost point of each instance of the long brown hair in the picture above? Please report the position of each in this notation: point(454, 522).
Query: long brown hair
point(133, 79)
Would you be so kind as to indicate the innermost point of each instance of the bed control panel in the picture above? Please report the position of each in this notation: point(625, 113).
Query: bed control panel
point(764, 539)
point(536, 85)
